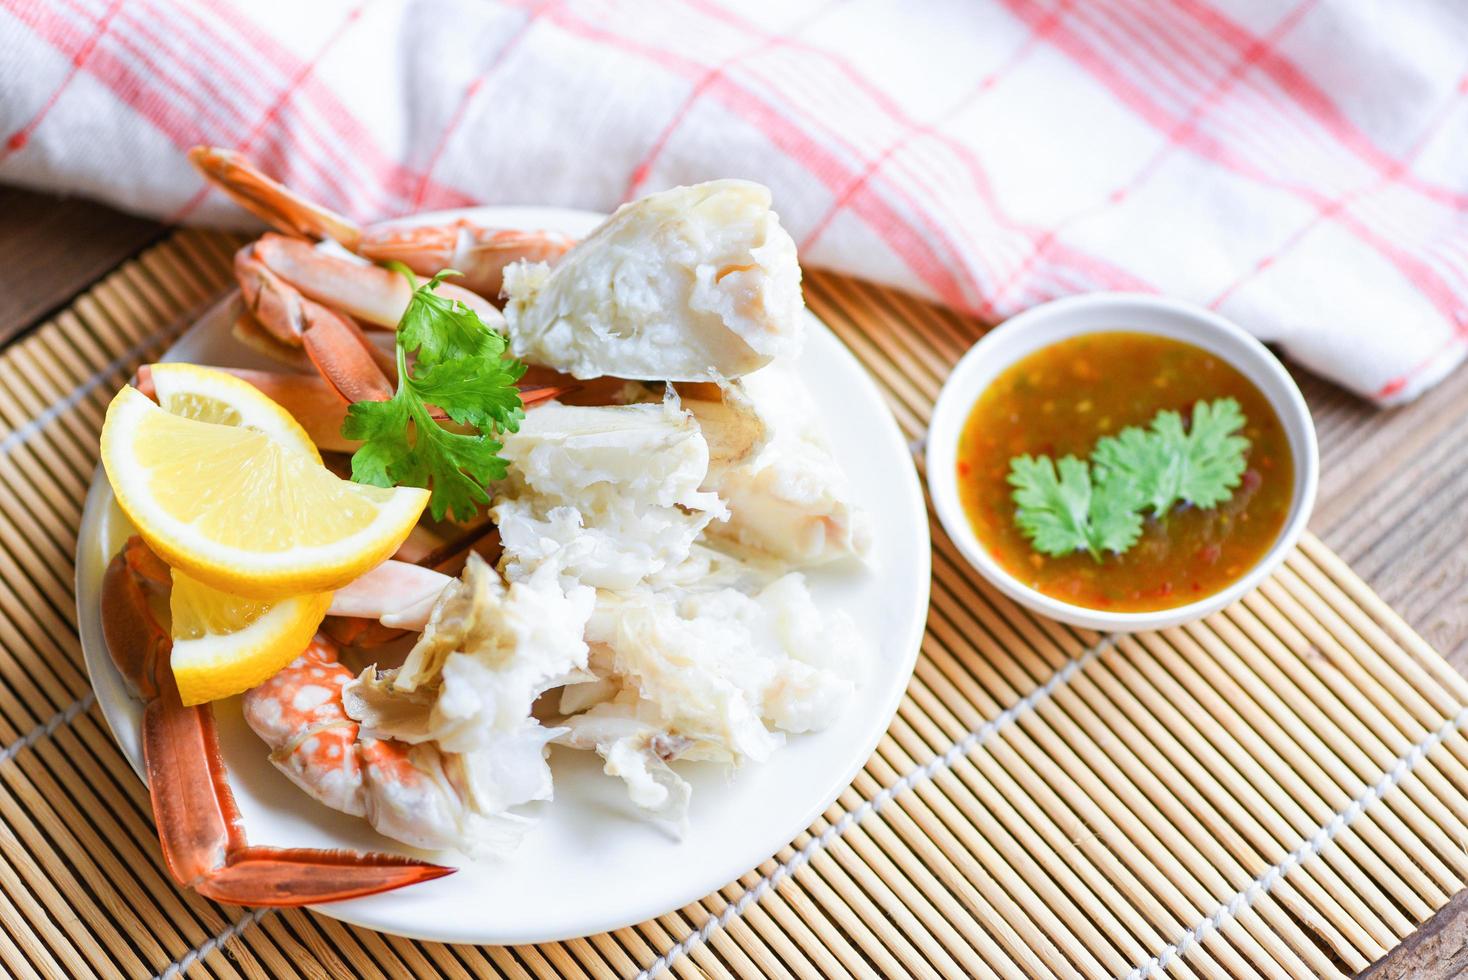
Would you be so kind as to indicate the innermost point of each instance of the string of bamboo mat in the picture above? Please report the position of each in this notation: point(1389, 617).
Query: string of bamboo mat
point(1276, 791)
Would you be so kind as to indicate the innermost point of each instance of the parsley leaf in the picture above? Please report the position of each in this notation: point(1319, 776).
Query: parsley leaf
point(438, 329)
point(463, 369)
point(1201, 465)
point(1061, 512)
point(474, 391)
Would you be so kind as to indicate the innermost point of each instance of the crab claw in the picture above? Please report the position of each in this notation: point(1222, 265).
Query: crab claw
point(335, 344)
point(357, 368)
point(204, 844)
point(480, 254)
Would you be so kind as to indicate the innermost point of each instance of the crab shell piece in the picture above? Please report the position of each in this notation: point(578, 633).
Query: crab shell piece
point(199, 828)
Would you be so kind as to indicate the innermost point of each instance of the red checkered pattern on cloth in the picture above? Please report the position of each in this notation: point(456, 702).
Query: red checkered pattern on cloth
point(1297, 165)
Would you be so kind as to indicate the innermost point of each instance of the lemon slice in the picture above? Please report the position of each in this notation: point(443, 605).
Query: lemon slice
point(225, 644)
point(243, 512)
point(211, 395)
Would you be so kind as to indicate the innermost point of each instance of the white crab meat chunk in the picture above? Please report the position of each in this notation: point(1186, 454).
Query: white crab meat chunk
point(626, 732)
point(688, 284)
point(716, 675)
point(788, 500)
point(466, 689)
point(610, 492)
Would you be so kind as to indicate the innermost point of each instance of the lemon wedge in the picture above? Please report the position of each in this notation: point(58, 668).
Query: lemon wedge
point(242, 511)
point(211, 395)
point(224, 644)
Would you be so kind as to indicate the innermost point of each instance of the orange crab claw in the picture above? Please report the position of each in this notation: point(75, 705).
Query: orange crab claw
point(479, 253)
point(192, 803)
point(358, 369)
point(204, 844)
point(335, 344)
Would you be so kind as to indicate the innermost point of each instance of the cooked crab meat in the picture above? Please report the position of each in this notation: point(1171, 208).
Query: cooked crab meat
point(467, 687)
point(611, 491)
point(788, 499)
point(694, 283)
point(716, 675)
point(626, 732)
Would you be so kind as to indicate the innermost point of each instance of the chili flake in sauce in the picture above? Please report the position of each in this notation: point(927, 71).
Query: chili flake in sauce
point(1059, 401)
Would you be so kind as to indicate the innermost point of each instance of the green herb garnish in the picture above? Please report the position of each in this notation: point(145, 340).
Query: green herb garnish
point(1098, 506)
point(463, 368)
point(1201, 465)
point(1061, 511)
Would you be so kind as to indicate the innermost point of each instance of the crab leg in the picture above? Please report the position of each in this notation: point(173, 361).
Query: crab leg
point(480, 253)
point(365, 291)
point(204, 844)
point(270, 200)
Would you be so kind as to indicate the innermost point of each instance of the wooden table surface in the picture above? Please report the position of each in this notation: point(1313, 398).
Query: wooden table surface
point(1393, 493)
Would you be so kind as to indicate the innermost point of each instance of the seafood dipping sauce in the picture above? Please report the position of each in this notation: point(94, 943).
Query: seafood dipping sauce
point(1060, 400)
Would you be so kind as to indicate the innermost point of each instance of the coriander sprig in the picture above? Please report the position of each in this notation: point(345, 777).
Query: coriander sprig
point(462, 368)
point(1098, 507)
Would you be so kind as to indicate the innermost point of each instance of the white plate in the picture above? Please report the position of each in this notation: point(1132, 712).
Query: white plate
point(590, 865)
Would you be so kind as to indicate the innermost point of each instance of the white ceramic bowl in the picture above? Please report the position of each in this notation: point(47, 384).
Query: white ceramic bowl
point(1095, 313)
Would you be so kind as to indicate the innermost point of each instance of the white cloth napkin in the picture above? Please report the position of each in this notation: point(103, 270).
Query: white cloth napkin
point(1298, 166)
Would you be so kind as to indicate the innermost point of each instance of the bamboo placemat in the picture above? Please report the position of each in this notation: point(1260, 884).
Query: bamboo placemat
point(1278, 791)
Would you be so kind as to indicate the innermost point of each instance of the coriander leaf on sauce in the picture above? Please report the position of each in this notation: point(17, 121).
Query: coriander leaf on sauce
point(1150, 458)
point(1116, 513)
point(1076, 506)
point(1201, 464)
point(1215, 453)
point(1061, 511)
point(1054, 511)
